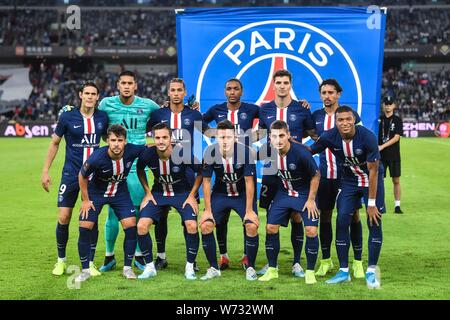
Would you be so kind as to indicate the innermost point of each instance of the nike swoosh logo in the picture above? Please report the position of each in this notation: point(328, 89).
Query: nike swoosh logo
point(151, 168)
point(336, 149)
point(133, 210)
point(76, 127)
point(314, 220)
point(106, 170)
point(221, 116)
point(381, 208)
point(270, 117)
point(319, 122)
point(164, 121)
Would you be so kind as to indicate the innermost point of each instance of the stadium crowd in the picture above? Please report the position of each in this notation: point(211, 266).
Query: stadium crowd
point(424, 96)
point(155, 28)
point(57, 85)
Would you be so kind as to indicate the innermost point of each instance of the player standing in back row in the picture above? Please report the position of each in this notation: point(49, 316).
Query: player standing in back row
point(330, 174)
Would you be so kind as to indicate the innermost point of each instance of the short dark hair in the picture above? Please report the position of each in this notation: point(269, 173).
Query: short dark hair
point(345, 108)
point(160, 126)
point(88, 83)
point(177, 80)
point(331, 82)
point(235, 80)
point(118, 130)
point(278, 125)
point(127, 73)
point(282, 73)
point(225, 124)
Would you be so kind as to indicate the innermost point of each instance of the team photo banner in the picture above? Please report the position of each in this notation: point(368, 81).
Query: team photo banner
point(312, 43)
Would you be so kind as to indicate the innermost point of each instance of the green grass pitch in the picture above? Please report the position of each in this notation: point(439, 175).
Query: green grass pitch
point(414, 259)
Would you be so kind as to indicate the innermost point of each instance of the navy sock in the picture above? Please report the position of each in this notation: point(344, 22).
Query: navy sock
point(326, 237)
point(192, 244)
point(129, 245)
point(251, 244)
point(94, 240)
point(145, 243)
point(272, 248)
point(297, 235)
point(375, 242)
point(209, 246)
point(312, 250)
point(343, 239)
point(357, 239)
point(221, 233)
point(62, 236)
point(245, 238)
point(84, 246)
point(161, 232)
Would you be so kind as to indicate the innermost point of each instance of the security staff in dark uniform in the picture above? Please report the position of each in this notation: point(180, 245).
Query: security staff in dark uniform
point(389, 133)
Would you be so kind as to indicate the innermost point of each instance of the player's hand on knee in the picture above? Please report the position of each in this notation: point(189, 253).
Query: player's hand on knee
point(252, 216)
point(313, 212)
point(192, 202)
point(374, 215)
point(86, 205)
point(148, 197)
point(46, 181)
point(207, 216)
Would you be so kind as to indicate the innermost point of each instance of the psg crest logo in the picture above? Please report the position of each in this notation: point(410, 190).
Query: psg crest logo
point(252, 53)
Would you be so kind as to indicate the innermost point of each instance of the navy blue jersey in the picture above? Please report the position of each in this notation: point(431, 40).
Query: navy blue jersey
point(352, 156)
point(323, 122)
point(229, 172)
point(180, 123)
point(242, 118)
point(82, 137)
point(295, 170)
point(170, 177)
point(297, 117)
point(109, 176)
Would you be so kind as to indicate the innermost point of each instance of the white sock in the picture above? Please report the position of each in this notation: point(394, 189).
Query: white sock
point(161, 255)
point(109, 254)
point(126, 268)
point(85, 270)
point(138, 254)
point(344, 269)
point(397, 203)
point(150, 265)
point(225, 255)
point(371, 269)
point(189, 266)
point(62, 259)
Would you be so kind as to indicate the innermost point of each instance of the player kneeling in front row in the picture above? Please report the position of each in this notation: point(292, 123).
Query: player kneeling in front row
point(356, 148)
point(171, 188)
point(109, 167)
point(298, 180)
point(234, 189)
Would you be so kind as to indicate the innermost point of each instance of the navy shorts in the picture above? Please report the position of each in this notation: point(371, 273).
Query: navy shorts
point(327, 193)
point(155, 212)
point(121, 204)
point(280, 211)
point(221, 205)
point(68, 191)
point(269, 188)
point(349, 198)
